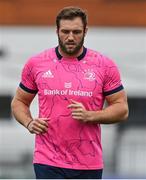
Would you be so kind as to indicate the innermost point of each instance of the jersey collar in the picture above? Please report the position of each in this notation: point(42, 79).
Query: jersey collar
point(80, 57)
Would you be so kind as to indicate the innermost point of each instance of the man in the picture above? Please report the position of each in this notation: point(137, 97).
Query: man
point(72, 83)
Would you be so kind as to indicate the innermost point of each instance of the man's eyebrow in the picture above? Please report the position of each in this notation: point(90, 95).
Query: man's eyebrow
point(64, 29)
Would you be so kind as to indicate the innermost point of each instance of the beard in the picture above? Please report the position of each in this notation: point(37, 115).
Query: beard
point(68, 51)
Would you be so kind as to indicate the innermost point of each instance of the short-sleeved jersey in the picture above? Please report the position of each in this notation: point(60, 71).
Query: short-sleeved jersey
point(88, 79)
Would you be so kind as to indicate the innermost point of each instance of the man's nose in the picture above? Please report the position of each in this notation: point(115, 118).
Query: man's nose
point(70, 36)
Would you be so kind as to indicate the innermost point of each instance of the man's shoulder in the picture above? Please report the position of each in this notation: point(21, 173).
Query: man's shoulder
point(99, 57)
point(41, 56)
point(44, 54)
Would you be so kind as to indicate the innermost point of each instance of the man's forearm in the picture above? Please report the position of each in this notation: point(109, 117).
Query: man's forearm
point(111, 114)
point(21, 112)
point(114, 113)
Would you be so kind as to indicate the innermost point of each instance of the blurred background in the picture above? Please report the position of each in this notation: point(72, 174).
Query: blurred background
point(117, 28)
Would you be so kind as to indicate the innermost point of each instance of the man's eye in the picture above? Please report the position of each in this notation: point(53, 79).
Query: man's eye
point(73, 32)
point(65, 31)
point(77, 32)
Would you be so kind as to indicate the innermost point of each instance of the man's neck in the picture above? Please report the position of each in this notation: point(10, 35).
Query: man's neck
point(63, 54)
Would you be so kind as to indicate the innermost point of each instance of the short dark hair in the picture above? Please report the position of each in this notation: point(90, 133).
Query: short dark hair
point(70, 13)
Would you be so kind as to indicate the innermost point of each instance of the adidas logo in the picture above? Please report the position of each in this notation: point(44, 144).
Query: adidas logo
point(48, 74)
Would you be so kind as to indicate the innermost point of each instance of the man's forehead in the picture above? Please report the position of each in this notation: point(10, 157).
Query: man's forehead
point(69, 24)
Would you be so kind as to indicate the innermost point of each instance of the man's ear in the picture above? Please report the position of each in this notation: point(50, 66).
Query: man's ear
point(57, 30)
point(86, 30)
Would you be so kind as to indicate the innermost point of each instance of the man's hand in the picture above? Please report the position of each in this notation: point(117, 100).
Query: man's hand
point(38, 126)
point(80, 113)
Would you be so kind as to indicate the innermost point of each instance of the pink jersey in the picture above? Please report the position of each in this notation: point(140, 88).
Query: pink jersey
point(70, 143)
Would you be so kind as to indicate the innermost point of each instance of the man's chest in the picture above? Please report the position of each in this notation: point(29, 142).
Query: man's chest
point(69, 78)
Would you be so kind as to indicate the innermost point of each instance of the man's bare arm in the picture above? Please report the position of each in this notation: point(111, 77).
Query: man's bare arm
point(116, 111)
point(21, 110)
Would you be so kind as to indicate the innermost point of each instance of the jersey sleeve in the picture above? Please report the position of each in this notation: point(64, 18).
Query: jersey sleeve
point(27, 78)
point(112, 81)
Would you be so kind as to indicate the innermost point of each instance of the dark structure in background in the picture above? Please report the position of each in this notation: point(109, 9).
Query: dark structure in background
point(5, 109)
point(137, 111)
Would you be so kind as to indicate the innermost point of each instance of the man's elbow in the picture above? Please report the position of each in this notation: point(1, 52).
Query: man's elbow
point(125, 113)
point(13, 105)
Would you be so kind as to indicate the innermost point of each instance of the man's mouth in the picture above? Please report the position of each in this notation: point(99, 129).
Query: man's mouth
point(70, 43)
